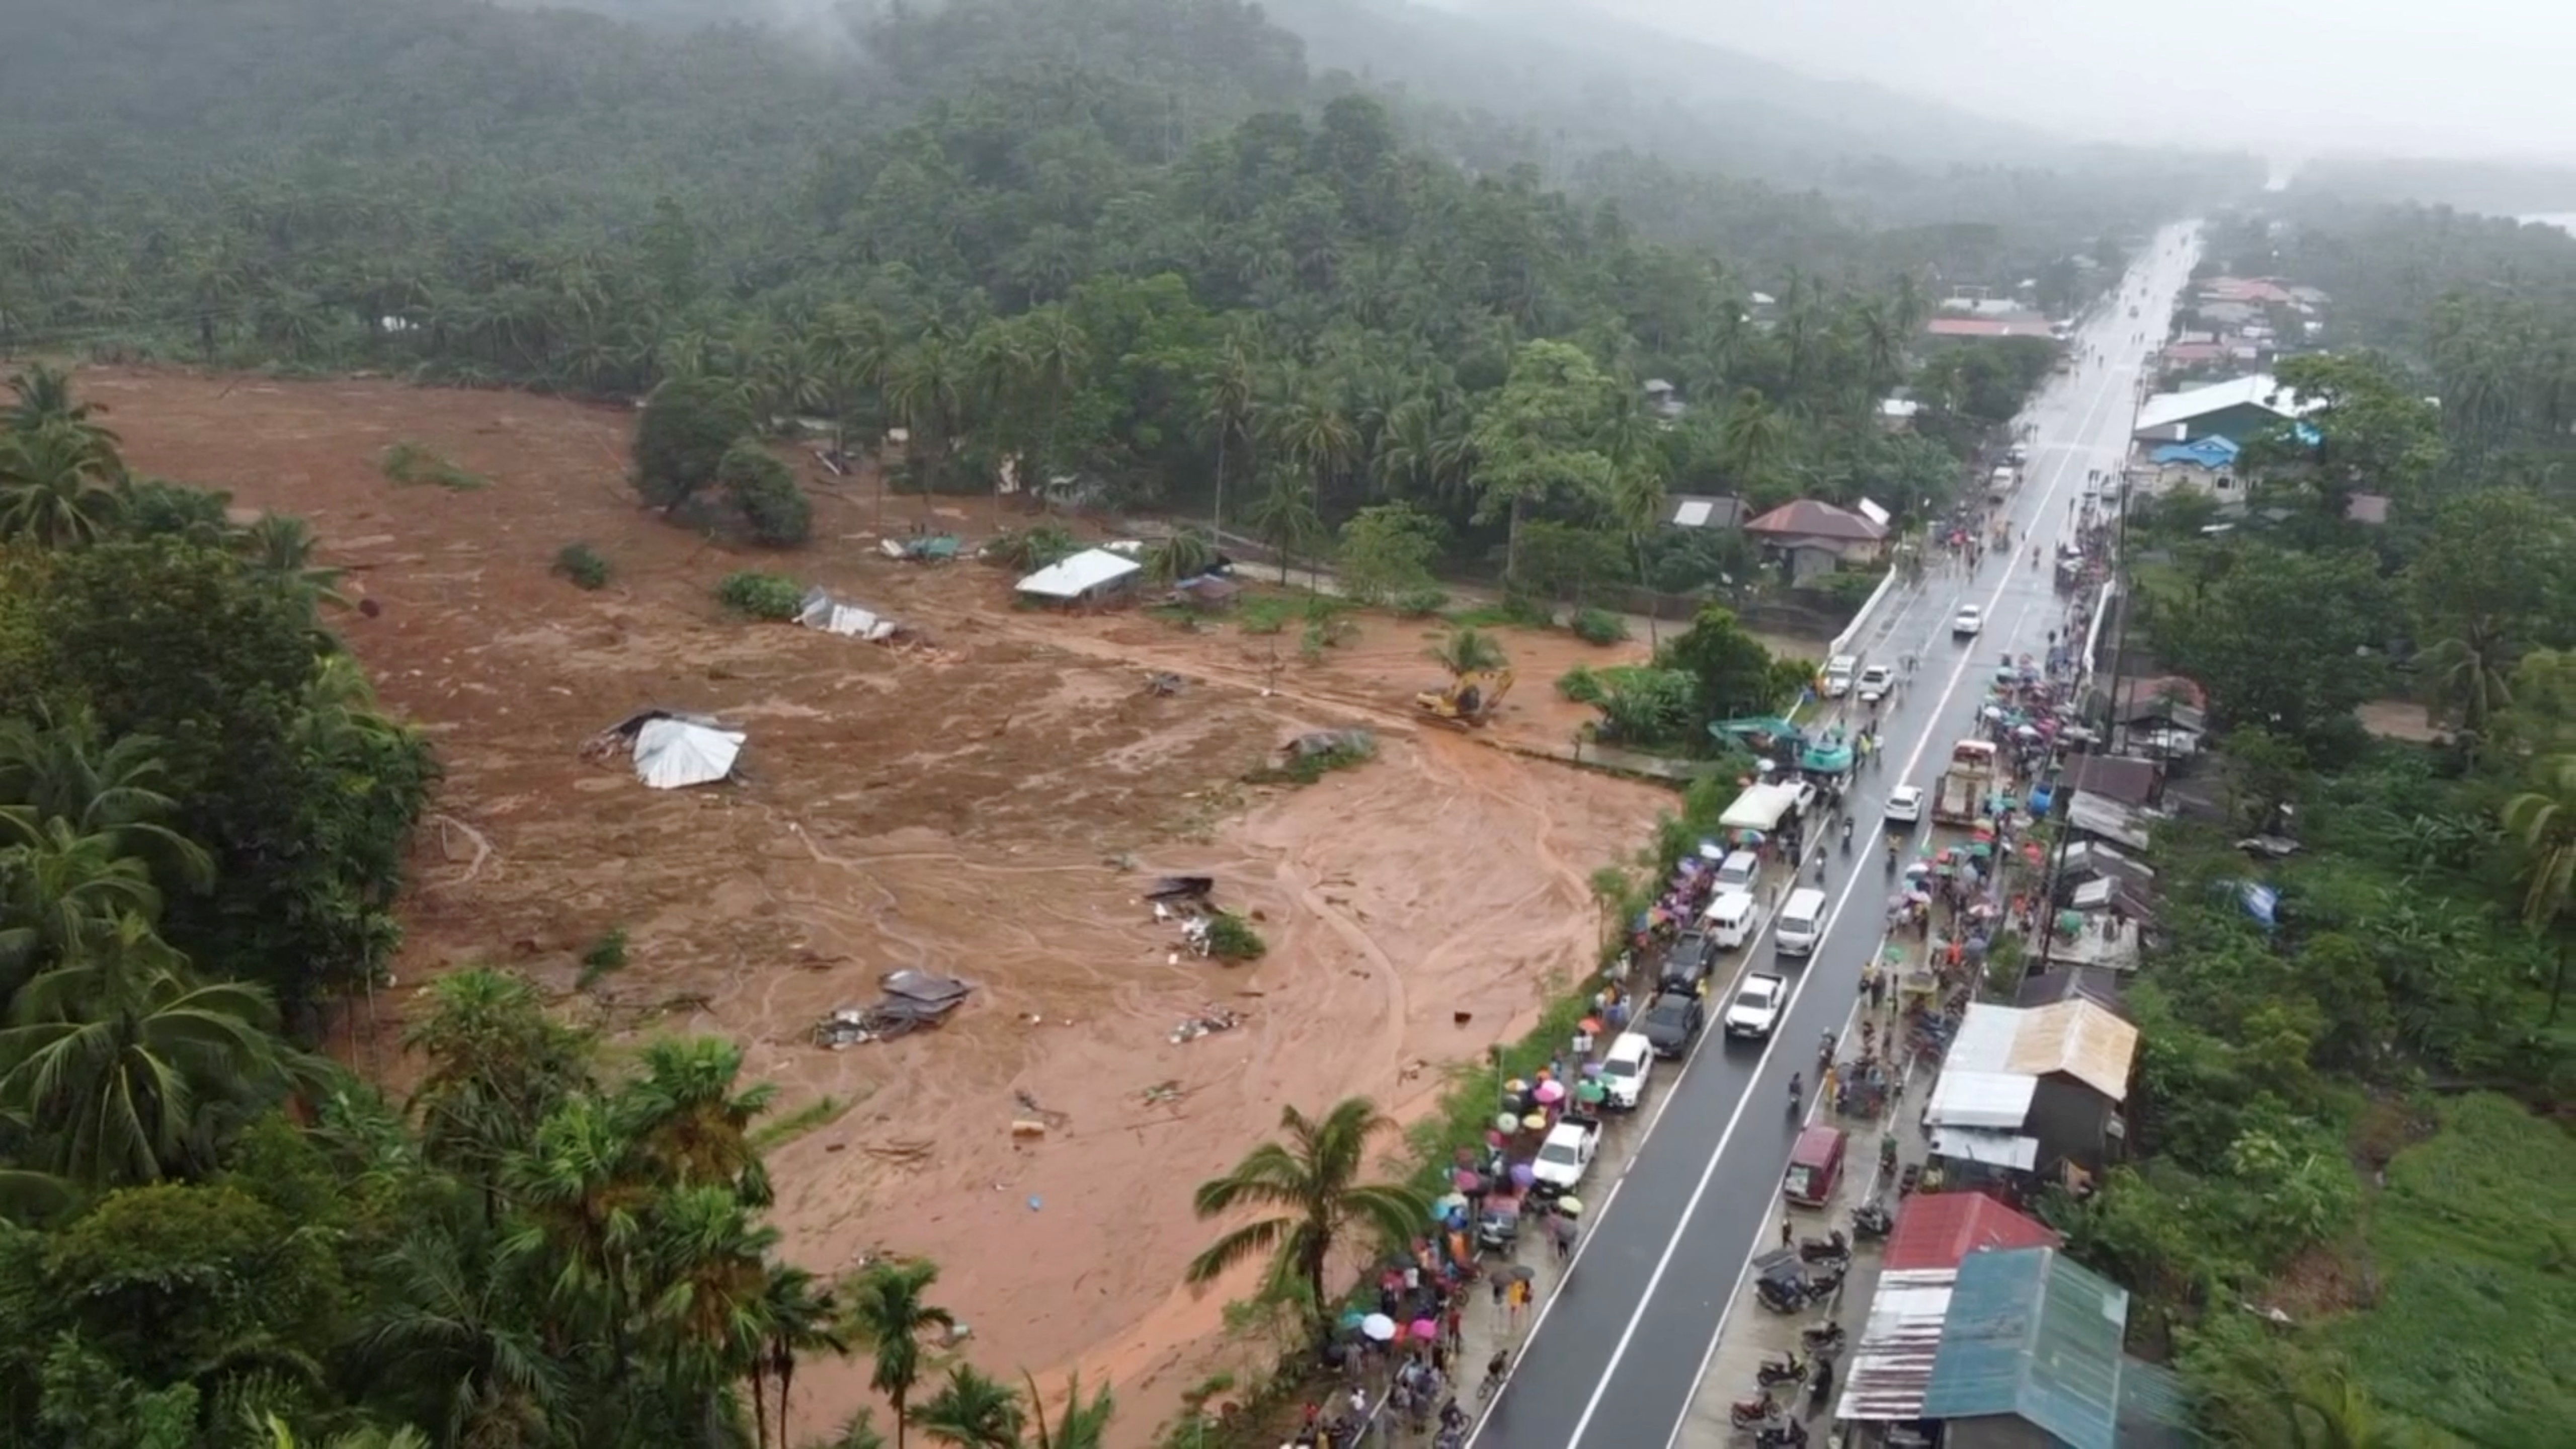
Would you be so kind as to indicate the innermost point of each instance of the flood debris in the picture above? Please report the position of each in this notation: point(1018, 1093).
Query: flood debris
point(1317, 743)
point(922, 548)
point(822, 611)
point(1209, 1021)
point(670, 749)
point(1164, 684)
point(913, 999)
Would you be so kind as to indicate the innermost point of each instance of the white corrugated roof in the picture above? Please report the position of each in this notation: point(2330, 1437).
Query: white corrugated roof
point(1985, 1039)
point(2261, 389)
point(1072, 578)
point(1981, 1099)
point(822, 611)
point(671, 753)
point(2081, 1040)
point(1892, 1364)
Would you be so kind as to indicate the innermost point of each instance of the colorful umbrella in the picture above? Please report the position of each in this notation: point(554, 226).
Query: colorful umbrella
point(1522, 1176)
point(1507, 1122)
point(1352, 1320)
point(1569, 1206)
point(1424, 1330)
point(1590, 1024)
point(1378, 1327)
point(1551, 1092)
point(1590, 1093)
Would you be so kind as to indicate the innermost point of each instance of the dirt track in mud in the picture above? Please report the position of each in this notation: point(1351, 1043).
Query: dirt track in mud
point(990, 809)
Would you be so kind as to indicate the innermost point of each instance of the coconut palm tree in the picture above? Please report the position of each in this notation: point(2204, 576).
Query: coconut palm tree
point(1752, 439)
point(704, 1280)
point(973, 1412)
point(1284, 515)
point(585, 1194)
point(1468, 650)
point(117, 1060)
point(1082, 1425)
point(692, 1123)
point(2468, 677)
point(44, 395)
point(498, 1066)
point(452, 1336)
point(2542, 820)
point(888, 1313)
point(57, 485)
point(1313, 1180)
point(281, 546)
point(66, 891)
point(1229, 402)
point(52, 766)
point(797, 1318)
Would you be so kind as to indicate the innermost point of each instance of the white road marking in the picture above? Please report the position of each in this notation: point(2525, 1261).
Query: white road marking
point(1672, 1245)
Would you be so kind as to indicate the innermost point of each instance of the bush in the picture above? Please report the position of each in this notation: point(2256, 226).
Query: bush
point(409, 462)
point(1031, 549)
point(775, 597)
point(1231, 938)
point(582, 564)
point(1580, 685)
point(606, 954)
point(1599, 626)
point(1420, 603)
point(774, 510)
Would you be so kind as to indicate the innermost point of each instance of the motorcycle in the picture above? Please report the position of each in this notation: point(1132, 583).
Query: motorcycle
point(1870, 1220)
point(1792, 1435)
point(1831, 1249)
point(1787, 1369)
point(1822, 1337)
point(1761, 1409)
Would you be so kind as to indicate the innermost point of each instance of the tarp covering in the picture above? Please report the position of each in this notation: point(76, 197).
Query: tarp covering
point(1079, 575)
point(2032, 1335)
point(672, 753)
point(1759, 807)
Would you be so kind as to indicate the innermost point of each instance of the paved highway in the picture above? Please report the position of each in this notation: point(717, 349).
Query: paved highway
point(1615, 1355)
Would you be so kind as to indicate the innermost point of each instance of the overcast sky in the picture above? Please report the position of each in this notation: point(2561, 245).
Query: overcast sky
point(2418, 77)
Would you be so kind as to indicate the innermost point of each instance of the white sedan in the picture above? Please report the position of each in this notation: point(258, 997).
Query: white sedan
point(1875, 681)
point(1905, 804)
point(1969, 622)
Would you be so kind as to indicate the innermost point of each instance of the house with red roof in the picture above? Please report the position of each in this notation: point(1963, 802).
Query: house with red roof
point(1818, 538)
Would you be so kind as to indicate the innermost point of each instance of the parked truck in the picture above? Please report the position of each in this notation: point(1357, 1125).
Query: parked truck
point(1960, 798)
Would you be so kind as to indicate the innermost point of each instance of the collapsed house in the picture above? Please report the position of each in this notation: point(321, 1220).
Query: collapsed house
point(913, 999)
point(671, 750)
point(821, 611)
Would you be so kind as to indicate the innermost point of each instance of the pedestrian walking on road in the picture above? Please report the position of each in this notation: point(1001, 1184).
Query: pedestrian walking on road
point(1788, 1233)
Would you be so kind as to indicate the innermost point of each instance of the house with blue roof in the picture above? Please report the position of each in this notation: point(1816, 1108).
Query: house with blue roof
point(2205, 465)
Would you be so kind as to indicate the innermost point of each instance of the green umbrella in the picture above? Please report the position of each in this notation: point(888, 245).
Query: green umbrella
point(1589, 1092)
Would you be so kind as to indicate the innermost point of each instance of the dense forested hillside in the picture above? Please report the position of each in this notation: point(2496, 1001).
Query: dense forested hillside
point(1118, 239)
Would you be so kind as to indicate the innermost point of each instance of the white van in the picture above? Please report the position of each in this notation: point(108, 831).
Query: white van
point(1729, 920)
point(1738, 871)
point(1802, 922)
point(1838, 675)
point(1625, 1069)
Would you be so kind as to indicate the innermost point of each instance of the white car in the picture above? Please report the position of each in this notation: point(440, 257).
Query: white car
point(1624, 1071)
point(1905, 804)
point(1875, 682)
point(1969, 621)
point(1565, 1154)
point(1838, 675)
point(1756, 1007)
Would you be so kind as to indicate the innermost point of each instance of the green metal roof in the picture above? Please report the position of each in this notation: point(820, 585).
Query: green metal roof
point(2032, 1335)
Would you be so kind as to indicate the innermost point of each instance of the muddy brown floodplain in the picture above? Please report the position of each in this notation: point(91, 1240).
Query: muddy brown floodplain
point(991, 808)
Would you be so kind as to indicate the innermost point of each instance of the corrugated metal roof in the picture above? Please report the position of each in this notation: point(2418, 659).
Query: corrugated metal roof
point(1985, 1038)
point(2260, 390)
point(2081, 1040)
point(1981, 1099)
point(1893, 1361)
point(1072, 577)
point(2032, 1335)
point(1940, 1229)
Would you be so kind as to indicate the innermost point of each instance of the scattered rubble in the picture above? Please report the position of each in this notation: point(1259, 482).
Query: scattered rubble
point(1208, 1022)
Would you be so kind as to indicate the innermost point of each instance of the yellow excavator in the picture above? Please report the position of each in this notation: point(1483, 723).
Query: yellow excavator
point(1469, 700)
